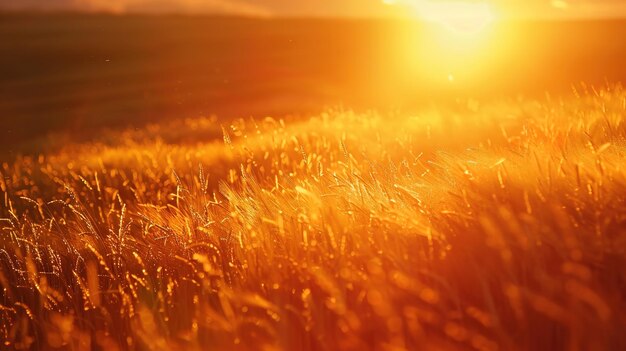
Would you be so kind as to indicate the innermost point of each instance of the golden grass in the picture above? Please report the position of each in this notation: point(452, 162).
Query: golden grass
point(499, 227)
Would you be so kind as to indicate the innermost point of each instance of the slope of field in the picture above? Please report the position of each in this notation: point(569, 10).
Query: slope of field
point(496, 227)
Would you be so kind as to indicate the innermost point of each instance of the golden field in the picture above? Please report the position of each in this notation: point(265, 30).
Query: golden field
point(497, 226)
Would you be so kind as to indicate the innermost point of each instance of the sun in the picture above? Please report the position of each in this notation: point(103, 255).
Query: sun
point(451, 43)
point(462, 17)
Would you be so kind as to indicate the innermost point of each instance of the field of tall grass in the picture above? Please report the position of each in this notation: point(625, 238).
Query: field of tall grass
point(470, 227)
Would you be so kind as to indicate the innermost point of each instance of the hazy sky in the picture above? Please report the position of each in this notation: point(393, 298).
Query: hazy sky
point(593, 8)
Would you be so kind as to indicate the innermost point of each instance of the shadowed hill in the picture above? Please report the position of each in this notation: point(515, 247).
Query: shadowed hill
point(78, 73)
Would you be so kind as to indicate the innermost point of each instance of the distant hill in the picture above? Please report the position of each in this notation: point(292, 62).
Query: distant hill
point(84, 72)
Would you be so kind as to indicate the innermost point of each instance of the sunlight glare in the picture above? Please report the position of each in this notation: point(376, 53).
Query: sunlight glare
point(462, 17)
point(458, 16)
point(456, 44)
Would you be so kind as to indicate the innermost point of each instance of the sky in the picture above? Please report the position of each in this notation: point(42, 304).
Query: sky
point(336, 8)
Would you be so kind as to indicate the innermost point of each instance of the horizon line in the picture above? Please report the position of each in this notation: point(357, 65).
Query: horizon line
point(526, 17)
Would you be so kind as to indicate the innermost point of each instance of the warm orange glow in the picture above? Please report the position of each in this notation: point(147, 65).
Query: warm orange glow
point(451, 179)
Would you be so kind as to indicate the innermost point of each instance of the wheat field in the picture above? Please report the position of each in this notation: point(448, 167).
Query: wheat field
point(498, 226)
